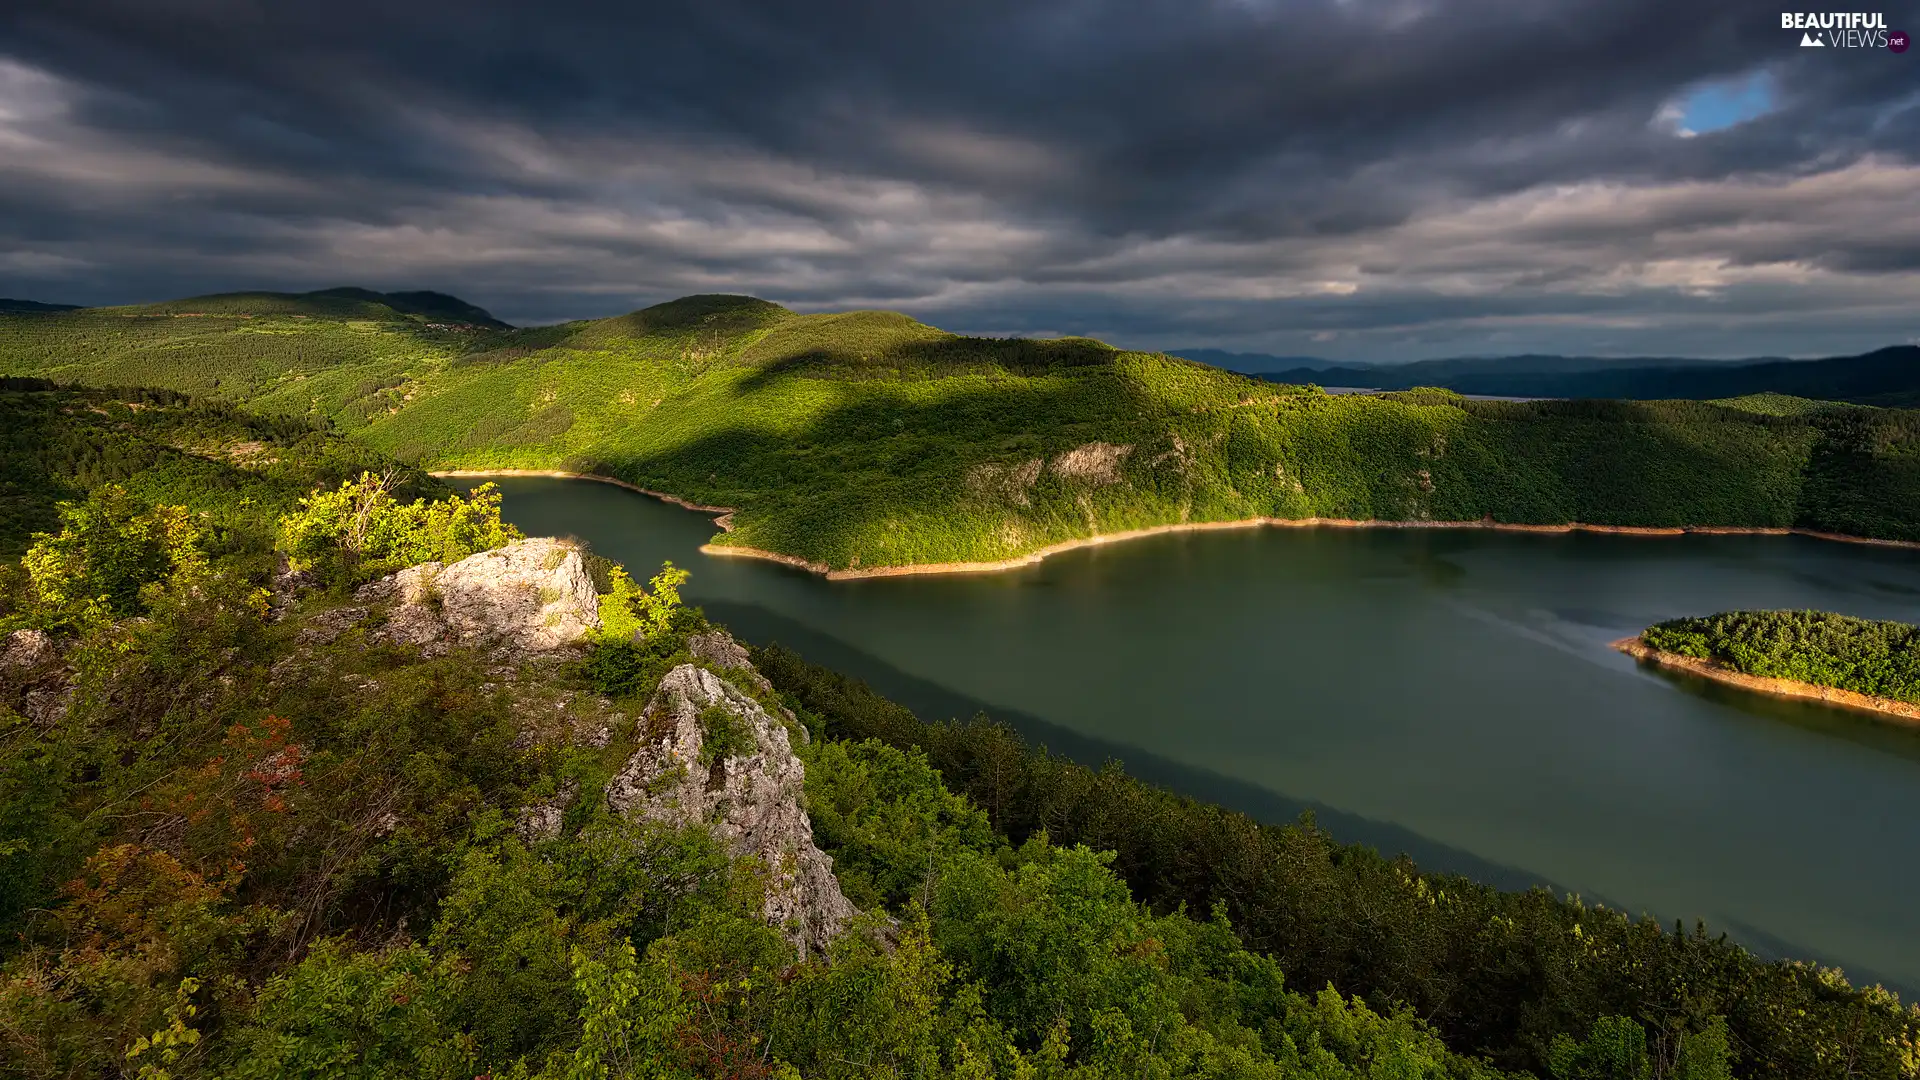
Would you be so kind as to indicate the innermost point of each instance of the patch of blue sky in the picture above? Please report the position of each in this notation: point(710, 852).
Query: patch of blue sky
point(1718, 105)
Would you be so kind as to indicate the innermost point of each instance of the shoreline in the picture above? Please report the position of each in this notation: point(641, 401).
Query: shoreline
point(1885, 708)
point(725, 523)
point(725, 513)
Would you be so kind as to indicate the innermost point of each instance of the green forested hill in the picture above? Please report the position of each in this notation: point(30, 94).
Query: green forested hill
point(863, 439)
point(162, 446)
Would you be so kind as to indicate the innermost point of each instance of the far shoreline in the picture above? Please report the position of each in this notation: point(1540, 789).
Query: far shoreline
point(724, 520)
point(1885, 708)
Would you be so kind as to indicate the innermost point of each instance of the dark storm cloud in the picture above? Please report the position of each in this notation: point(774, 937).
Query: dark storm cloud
point(1370, 177)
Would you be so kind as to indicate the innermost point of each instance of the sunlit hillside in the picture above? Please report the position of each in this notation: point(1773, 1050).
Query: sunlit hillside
point(866, 439)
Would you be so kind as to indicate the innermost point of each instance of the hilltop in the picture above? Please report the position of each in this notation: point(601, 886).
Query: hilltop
point(345, 302)
point(867, 439)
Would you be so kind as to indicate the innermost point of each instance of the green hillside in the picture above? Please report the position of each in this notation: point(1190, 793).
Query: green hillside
point(57, 445)
point(865, 439)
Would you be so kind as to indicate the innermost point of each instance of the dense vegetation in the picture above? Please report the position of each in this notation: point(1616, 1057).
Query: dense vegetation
point(1866, 656)
point(867, 439)
point(241, 838)
point(242, 470)
point(1498, 973)
point(237, 846)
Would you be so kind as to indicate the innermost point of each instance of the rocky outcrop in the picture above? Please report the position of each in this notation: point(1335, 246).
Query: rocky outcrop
point(712, 755)
point(530, 596)
point(34, 679)
point(718, 648)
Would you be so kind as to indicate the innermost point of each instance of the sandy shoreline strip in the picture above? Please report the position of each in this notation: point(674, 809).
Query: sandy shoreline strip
point(725, 522)
point(1886, 707)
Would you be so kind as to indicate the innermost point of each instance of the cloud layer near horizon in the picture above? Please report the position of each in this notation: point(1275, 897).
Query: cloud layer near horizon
point(1380, 179)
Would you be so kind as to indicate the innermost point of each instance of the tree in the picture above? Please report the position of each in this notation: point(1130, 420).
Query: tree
point(109, 549)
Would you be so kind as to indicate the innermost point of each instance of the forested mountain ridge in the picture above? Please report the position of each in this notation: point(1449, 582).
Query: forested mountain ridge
point(866, 439)
point(1889, 376)
point(256, 825)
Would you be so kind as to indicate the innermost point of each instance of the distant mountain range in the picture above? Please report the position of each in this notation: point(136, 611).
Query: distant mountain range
point(1889, 376)
point(1252, 363)
point(344, 302)
point(29, 307)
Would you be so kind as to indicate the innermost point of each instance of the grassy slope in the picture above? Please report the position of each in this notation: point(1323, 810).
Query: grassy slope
point(867, 439)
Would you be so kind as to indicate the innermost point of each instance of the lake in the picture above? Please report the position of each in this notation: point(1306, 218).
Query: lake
point(1447, 693)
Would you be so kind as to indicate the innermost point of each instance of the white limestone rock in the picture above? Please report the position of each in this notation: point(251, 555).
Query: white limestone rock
point(530, 596)
point(750, 797)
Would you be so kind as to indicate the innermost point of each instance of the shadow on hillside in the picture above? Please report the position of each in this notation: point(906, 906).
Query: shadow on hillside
point(879, 456)
point(888, 453)
point(888, 353)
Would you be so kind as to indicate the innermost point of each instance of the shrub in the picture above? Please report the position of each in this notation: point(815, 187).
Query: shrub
point(359, 529)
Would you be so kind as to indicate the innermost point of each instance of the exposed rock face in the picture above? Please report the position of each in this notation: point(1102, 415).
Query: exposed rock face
point(1096, 462)
point(718, 648)
point(288, 584)
point(748, 791)
point(530, 596)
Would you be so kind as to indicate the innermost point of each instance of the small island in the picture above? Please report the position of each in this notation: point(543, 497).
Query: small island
point(1862, 664)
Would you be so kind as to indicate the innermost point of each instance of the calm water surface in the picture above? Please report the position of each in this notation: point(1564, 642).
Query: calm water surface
point(1447, 694)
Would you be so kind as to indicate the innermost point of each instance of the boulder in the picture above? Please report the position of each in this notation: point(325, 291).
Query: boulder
point(28, 649)
point(530, 596)
point(747, 786)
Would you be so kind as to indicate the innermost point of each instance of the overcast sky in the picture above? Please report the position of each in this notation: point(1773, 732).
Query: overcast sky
point(1371, 179)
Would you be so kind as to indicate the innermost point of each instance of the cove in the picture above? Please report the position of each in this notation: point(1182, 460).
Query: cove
point(1447, 693)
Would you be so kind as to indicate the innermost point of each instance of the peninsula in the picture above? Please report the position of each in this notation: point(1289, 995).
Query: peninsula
point(1861, 664)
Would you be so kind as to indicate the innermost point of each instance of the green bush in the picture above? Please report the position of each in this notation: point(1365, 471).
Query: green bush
point(360, 530)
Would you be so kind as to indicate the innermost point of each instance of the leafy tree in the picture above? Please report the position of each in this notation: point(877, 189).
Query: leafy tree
point(1616, 1049)
point(110, 548)
point(657, 605)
